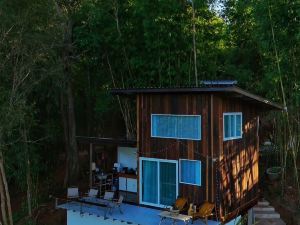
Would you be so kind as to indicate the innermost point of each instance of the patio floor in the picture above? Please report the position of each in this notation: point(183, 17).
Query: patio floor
point(81, 213)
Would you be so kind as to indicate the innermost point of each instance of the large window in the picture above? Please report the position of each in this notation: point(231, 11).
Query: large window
point(232, 124)
point(190, 172)
point(176, 126)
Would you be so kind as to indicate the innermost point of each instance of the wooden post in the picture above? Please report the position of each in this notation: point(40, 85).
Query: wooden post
point(56, 203)
point(91, 169)
point(212, 145)
point(138, 109)
point(206, 178)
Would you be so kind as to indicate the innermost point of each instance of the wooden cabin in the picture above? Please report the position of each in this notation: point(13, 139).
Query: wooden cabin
point(200, 143)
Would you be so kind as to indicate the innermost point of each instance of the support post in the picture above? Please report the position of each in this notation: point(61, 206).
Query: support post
point(250, 216)
point(56, 203)
point(91, 169)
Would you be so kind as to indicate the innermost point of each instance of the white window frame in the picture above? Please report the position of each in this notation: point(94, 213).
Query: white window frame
point(199, 185)
point(158, 179)
point(177, 138)
point(232, 114)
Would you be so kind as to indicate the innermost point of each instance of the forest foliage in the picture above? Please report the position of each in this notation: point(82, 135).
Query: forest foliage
point(89, 46)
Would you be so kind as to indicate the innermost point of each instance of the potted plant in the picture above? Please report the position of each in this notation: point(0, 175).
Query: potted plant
point(274, 173)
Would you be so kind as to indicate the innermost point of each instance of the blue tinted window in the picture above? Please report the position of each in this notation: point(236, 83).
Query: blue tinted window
point(232, 125)
point(190, 172)
point(176, 126)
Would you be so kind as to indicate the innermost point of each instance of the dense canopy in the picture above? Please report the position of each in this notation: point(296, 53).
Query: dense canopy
point(59, 58)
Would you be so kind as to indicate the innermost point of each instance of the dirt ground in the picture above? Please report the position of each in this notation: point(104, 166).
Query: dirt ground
point(50, 216)
point(287, 206)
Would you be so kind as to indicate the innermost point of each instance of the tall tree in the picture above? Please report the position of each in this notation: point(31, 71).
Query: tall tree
point(66, 9)
point(27, 50)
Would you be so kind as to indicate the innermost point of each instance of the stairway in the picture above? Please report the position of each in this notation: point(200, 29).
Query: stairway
point(264, 214)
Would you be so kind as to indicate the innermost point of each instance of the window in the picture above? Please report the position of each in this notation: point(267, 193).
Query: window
point(190, 172)
point(232, 126)
point(176, 126)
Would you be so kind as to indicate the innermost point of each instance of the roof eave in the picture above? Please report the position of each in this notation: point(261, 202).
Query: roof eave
point(232, 89)
point(258, 98)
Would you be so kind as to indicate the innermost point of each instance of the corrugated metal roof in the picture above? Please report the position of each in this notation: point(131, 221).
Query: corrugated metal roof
point(231, 90)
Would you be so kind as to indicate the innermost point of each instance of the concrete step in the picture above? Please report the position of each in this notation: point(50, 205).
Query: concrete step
point(263, 209)
point(266, 215)
point(263, 203)
point(270, 222)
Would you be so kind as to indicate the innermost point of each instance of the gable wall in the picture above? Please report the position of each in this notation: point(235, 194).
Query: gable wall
point(238, 160)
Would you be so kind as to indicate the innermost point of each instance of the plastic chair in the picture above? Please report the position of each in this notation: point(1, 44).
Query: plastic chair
point(73, 193)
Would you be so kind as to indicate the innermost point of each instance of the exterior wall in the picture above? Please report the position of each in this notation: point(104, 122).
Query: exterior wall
point(229, 168)
point(170, 148)
point(238, 161)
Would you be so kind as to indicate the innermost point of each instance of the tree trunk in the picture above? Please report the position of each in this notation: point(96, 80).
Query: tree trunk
point(6, 192)
point(3, 204)
point(73, 151)
point(70, 125)
point(28, 175)
point(66, 136)
point(194, 46)
point(89, 104)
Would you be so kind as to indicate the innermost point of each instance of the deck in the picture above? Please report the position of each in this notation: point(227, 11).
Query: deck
point(81, 213)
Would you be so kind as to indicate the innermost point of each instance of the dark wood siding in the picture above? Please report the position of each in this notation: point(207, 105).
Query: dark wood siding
point(239, 162)
point(162, 148)
point(229, 168)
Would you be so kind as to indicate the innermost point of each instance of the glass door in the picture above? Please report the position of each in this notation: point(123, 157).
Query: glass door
point(167, 183)
point(158, 182)
point(150, 182)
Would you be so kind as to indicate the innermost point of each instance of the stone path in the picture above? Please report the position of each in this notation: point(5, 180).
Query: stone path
point(264, 214)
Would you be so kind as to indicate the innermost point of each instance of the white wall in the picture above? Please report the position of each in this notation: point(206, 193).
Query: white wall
point(75, 218)
point(234, 221)
point(127, 157)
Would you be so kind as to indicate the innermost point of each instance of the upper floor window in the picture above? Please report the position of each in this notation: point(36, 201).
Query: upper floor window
point(176, 126)
point(232, 125)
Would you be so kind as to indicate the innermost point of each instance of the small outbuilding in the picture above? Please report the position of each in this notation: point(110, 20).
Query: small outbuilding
point(201, 143)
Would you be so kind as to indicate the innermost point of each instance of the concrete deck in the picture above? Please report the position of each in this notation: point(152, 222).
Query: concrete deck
point(81, 213)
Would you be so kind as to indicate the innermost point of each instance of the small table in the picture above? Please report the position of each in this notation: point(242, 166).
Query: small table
point(175, 217)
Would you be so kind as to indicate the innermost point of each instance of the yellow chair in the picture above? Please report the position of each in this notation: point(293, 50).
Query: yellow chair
point(205, 210)
point(181, 204)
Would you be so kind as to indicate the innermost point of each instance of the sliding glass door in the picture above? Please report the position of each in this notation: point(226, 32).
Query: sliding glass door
point(150, 181)
point(158, 182)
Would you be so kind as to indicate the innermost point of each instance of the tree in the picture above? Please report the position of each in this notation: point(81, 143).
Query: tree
point(65, 10)
point(27, 51)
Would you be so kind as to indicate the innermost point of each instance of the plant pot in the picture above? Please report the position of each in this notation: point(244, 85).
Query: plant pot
point(274, 173)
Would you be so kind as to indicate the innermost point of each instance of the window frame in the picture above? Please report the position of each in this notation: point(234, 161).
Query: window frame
point(232, 114)
point(180, 175)
point(177, 138)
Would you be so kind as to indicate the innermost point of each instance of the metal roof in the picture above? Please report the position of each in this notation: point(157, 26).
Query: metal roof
point(229, 89)
point(219, 82)
point(99, 140)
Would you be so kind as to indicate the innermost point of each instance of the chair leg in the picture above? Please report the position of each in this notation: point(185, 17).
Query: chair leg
point(120, 209)
point(105, 214)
